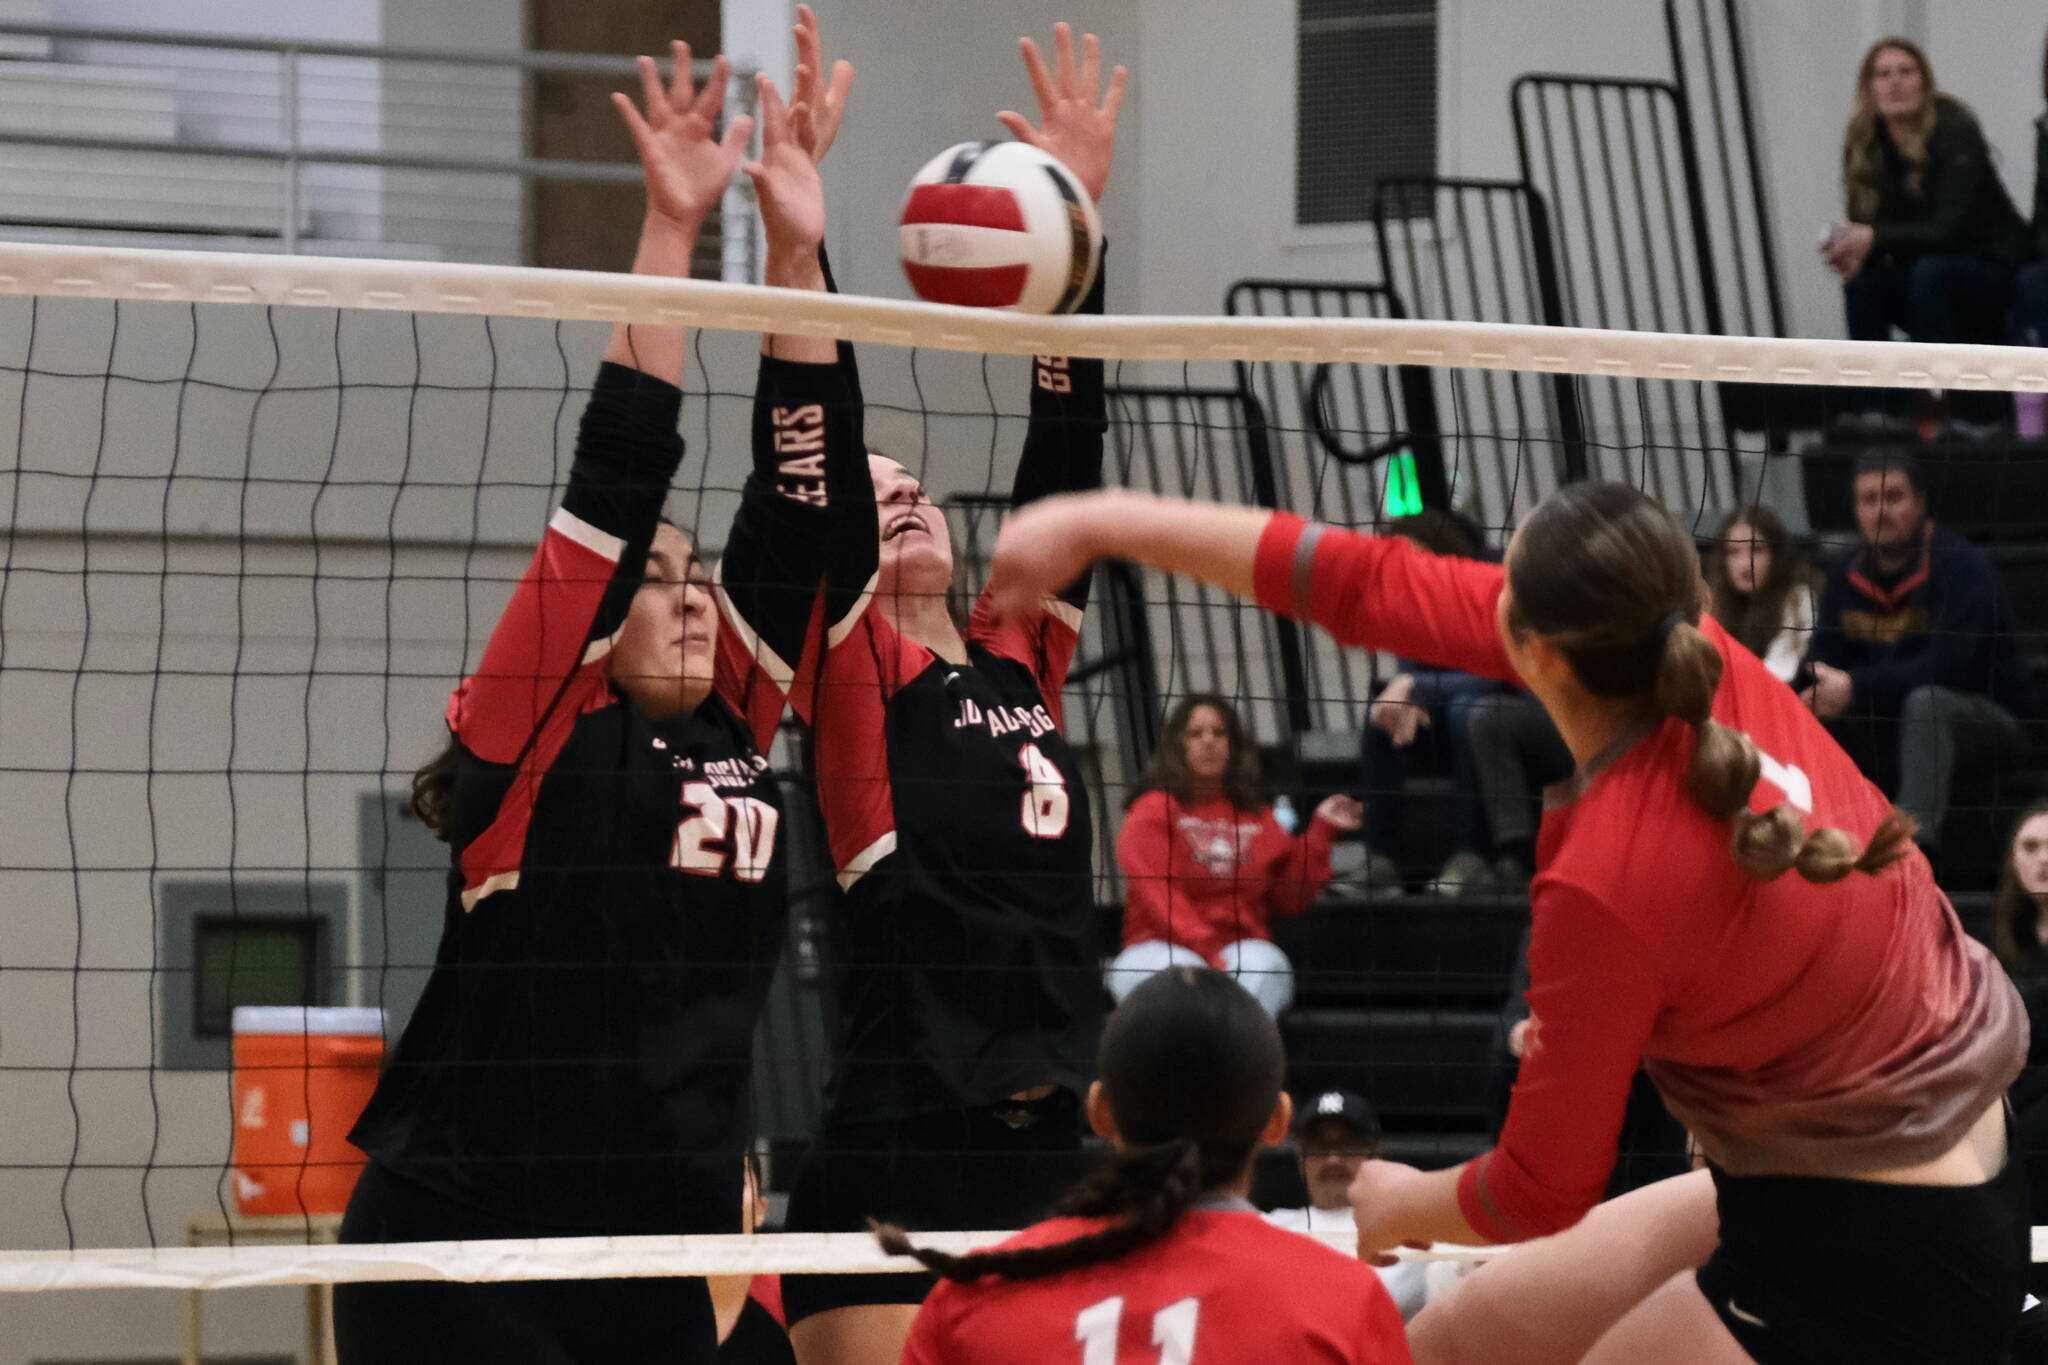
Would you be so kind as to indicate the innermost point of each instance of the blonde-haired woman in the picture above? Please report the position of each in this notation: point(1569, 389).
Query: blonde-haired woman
point(1932, 238)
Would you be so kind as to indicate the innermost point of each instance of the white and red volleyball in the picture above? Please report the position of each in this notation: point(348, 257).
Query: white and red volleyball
point(1000, 225)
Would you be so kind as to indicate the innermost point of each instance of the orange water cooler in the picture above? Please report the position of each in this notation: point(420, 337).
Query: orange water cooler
point(302, 1076)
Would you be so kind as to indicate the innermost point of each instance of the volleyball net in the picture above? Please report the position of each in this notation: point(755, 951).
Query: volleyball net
point(261, 514)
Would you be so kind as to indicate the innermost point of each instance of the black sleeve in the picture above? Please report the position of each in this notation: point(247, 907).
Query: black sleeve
point(807, 511)
point(1958, 162)
point(627, 450)
point(2040, 219)
point(781, 547)
point(1063, 446)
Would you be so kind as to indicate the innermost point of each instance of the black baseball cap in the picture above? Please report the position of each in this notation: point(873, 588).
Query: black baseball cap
point(1340, 1106)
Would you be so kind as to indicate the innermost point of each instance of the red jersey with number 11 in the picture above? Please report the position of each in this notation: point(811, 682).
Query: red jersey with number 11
point(1223, 1287)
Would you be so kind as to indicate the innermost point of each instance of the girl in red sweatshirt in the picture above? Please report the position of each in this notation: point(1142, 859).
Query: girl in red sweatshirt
point(1207, 865)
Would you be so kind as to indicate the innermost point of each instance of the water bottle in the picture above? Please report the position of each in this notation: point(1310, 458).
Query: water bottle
point(1283, 813)
point(2030, 410)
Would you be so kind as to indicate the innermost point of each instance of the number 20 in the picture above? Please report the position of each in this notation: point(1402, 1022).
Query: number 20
point(701, 844)
point(1173, 1331)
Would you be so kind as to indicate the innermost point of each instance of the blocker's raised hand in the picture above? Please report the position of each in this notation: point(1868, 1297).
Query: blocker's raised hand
point(786, 179)
point(816, 106)
point(1074, 127)
point(686, 164)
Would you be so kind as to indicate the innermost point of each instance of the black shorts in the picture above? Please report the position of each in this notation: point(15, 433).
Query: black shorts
point(1819, 1271)
point(998, 1166)
point(512, 1322)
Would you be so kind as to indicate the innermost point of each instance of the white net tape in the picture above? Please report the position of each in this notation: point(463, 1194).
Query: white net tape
point(427, 287)
point(572, 295)
point(553, 1258)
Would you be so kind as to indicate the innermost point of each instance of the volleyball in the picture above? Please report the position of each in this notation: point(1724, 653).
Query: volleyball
point(1000, 225)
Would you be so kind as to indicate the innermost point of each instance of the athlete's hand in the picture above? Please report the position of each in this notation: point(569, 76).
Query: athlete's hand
point(1076, 129)
point(1044, 547)
point(1378, 1195)
point(816, 106)
point(685, 163)
point(786, 183)
point(1343, 812)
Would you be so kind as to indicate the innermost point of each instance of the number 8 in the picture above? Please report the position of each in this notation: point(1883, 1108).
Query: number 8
point(1045, 800)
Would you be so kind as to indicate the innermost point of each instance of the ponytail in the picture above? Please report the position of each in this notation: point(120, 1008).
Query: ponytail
point(1725, 769)
point(1146, 1189)
point(433, 787)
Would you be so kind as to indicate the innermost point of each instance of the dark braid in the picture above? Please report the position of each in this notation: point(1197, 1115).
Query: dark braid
point(1191, 1065)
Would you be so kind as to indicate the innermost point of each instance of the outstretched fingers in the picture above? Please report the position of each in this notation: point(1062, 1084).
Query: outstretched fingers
point(1041, 79)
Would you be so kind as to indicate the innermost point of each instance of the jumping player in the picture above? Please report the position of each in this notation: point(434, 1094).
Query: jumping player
point(1160, 1256)
point(1721, 897)
point(956, 815)
point(578, 1061)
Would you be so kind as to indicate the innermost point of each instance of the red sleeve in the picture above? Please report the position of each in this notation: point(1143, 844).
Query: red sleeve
point(1144, 854)
point(1044, 644)
point(928, 1336)
point(866, 663)
point(766, 1290)
point(1381, 592)
point(541, 640)
point(1299, 878)
point(1595, 991)
point(1385, 1338)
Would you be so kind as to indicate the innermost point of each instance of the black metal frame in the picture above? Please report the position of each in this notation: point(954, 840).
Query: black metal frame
point(1629, 121)
point(1469, 210)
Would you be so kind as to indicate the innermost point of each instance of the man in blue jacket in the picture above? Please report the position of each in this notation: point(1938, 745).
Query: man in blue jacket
point(1913, 670)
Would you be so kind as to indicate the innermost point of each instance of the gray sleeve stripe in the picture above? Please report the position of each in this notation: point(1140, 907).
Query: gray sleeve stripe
point(1304, 567)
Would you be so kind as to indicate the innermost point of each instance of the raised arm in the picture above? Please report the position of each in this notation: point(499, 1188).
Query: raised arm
point(1077, 124)
point(806, 407)
point(581, 579)
point(1372, 591)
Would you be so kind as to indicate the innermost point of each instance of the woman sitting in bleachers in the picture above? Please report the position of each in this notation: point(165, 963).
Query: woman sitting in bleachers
point(1207, 866)
point(1763, 591)
point(1932, 239)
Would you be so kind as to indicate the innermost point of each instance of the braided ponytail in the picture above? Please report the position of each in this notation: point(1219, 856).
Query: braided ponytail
point(1597, 571)
point(1146, 1188)
point(1191, 1069)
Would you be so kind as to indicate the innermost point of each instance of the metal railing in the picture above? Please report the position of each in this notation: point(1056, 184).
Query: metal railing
point(434, 140)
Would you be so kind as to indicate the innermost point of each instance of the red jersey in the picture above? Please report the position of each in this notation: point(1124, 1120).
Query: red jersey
point(1207, 875)
point(1224, 1286)
point(1794, 1028)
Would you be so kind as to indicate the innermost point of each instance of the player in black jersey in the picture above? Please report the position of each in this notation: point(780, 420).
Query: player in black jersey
point(956, 815)
point(578, 1060)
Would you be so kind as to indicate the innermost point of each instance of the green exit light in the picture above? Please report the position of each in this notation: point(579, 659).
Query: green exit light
point(1404, 494)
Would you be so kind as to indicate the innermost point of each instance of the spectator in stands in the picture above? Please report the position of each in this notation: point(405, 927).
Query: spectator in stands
point(1438, 703)
point(1206, 865)
point(1336, 1133)
point(1932, 239)
point(1762, 590)
point(1516, 752)
point(2019, 911)
point(2019, 934)
point(1912, 670)
point(2030, 290)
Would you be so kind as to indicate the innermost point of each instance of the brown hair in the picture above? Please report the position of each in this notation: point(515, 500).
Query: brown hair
point(1755, 617)
point(2015, 915)
point(1610, 579)
point(1168, 771)
point(1862, 140)
point(1191, 1067)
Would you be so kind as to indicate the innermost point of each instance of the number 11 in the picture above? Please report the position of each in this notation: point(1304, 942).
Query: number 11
point(1173, 1331)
